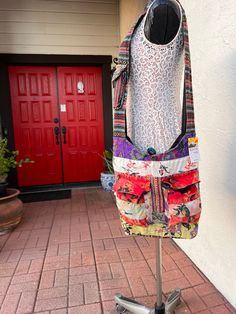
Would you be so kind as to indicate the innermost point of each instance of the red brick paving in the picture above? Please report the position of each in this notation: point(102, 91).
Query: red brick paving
point(71, 257)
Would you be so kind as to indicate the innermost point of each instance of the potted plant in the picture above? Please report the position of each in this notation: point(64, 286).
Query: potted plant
point(7, 162)
point(11, 208)
point(108, 177)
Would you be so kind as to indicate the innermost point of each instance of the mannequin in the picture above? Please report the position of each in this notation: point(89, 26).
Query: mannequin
point(163, 21)
point(156, 69)
point(162, 25)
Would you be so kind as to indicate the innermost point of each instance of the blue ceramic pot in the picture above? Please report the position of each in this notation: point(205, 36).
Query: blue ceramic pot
point(107, 181)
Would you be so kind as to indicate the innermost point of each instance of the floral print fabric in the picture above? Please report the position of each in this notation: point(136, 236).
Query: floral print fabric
point(124, 148)
point(153, 168)
point(131, 188)
point(182, 198)
point(143, 184)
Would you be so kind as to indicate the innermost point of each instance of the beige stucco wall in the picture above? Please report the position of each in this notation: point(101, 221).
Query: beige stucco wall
point(59, 26)
point(129, 11)
point(212, 26)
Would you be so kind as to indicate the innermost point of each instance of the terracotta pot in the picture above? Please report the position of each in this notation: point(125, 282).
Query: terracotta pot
point(11, 211)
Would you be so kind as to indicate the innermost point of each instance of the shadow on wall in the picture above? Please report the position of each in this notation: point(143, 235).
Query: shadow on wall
point(230, 179)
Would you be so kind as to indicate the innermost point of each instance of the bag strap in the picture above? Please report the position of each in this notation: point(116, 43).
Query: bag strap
point(189, 107)
point(121, 85)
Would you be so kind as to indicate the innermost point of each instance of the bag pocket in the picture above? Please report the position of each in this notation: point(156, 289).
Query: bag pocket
point(133, 198)
point(119, 82)
point(182, 198)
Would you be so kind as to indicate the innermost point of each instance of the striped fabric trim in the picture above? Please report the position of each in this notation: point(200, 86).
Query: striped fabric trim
point(124, 47)
point(160, 198)
point(119, 123)
point(121, 81)
point(119, 133)
point(190, 125)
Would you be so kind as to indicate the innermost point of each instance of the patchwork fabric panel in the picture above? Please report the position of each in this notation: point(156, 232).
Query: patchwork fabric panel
point(124, 148)
point(131, 188)
point(133, 196)
point(153, 168)
point(160, 229)
point(136, 212)
point(182, 198)
point(181, 202)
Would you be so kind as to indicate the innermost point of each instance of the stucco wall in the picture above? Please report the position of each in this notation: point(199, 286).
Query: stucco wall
point(59, 26)
point(212, 26)
point(129, 11)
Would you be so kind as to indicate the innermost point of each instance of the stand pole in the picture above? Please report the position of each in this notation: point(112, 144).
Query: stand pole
point(159, 306)
point(159, 272)
point(124, 304)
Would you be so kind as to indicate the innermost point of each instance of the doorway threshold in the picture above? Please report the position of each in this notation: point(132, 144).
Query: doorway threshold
point(53, 192)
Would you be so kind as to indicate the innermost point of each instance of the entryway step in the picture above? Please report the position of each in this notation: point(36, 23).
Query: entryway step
point(44, 195)
point(53, 192)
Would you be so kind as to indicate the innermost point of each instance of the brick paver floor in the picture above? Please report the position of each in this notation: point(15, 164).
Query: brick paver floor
point(71, 256)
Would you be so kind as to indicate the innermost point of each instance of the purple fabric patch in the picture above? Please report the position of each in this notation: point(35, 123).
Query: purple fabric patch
point(124, 148)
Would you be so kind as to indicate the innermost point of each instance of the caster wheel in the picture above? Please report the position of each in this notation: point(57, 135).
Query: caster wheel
point(120, 309)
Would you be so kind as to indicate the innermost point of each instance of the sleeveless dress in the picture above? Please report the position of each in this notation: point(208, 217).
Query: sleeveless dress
point(156, 190)
point(153, 106)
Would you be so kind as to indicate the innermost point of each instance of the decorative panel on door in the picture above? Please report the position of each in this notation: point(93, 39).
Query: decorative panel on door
point(34, 107)
point(80, 97)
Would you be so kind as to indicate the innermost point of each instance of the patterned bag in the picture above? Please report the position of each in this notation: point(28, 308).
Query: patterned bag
point(156, 194)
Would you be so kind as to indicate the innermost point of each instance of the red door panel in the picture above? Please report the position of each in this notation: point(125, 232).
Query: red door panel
point(34, 107)
point(82, 118)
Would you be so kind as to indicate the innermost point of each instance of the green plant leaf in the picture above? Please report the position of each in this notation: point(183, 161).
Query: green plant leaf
point(8, 159)
point(107, 157)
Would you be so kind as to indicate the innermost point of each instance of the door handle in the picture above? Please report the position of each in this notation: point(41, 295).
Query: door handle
point(56, 120)
point(63, 130)
point(57, 132)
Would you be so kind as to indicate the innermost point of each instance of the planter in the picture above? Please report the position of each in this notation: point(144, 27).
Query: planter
point(11, 211)
point(107, 181)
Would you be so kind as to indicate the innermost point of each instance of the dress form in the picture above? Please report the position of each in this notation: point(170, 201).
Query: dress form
point(162, 22)
point(154, 109)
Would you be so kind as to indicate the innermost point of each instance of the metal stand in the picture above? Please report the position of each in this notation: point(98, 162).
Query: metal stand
point(124, 304)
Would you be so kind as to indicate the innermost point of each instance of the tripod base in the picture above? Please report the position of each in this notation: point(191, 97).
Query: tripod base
point(124, 304)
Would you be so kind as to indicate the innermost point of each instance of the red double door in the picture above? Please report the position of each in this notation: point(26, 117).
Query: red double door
point(58, 123)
